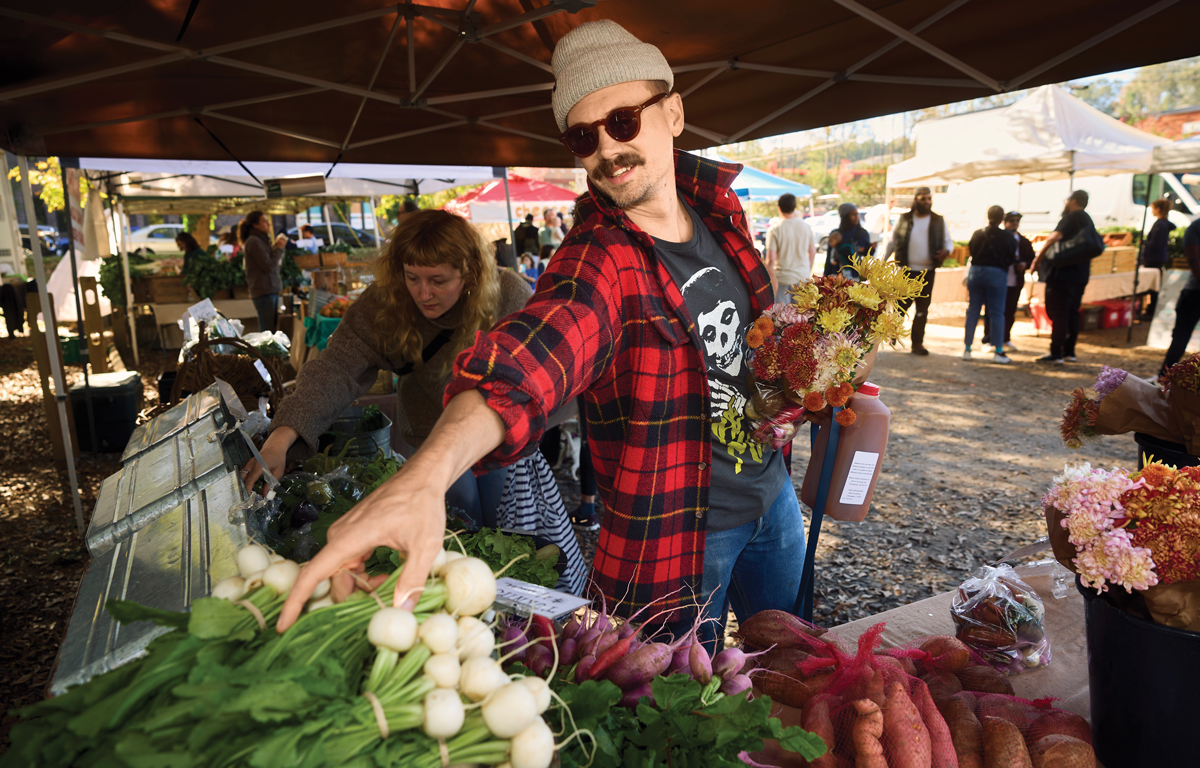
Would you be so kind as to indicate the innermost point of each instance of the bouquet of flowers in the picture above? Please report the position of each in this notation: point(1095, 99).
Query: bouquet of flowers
point(805, 353)
point(1125, 403)
point(1139, 531)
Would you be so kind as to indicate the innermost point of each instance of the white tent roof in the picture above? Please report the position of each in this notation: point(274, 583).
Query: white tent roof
point(1047, 135)
point(1181, 156)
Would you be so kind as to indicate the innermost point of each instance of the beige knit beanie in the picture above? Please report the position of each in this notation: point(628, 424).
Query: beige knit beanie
point(596, 55)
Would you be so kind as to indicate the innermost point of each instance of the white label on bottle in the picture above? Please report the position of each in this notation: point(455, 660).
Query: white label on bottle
point(858, 478)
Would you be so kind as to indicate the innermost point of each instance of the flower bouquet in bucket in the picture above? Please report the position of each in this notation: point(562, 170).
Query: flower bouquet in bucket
point(1139, 531)
point(807, 352)
point(1125, 403)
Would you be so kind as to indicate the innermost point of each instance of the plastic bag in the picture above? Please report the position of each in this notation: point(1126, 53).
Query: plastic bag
point(773, 415)
point(295, 522)
point(259, 422)
point(1002, 619)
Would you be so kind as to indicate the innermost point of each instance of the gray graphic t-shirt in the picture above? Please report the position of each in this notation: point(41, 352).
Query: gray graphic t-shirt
point(746, 475)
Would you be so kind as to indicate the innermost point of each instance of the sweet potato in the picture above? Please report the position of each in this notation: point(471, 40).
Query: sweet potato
point(817, 720)
point(984, 679)
point(782, 659)
point(905, 735)
point(778, 628)
point(940, 744)
point(866, 735)
point(791, 688)
point(892, 669)
point(1058, 751)
point(995, 705)
point(1003, 745)
point(942, 684)
point(1058, 721)
point(965, 731)
point(948, 653)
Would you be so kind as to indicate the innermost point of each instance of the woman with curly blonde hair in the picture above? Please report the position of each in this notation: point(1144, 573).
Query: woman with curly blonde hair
point(436, 285)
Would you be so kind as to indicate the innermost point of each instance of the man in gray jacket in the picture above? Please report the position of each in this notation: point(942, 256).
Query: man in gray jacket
point(921, 242)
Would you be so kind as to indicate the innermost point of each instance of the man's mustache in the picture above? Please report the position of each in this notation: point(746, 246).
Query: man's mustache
point(624, 160)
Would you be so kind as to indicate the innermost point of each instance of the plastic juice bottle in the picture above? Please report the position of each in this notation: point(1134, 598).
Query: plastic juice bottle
point(859, 456)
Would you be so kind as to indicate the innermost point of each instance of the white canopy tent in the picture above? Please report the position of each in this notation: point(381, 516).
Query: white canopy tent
point(1181, 156)
point(1048, 135)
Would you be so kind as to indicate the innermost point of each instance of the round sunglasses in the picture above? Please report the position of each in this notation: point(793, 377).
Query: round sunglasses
point(623, 124)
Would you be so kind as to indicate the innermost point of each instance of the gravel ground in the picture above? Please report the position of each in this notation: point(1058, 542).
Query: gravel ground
point(973, 447)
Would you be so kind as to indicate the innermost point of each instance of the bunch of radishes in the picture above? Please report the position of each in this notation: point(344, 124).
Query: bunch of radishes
point(434, 667)
point(604, 649)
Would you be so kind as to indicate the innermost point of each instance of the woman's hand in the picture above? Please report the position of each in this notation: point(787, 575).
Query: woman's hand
point(281, 240)
point(274, 452)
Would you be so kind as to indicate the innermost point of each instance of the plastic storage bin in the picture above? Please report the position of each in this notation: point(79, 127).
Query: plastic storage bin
point(1117, 314)
point(1090, 316)
point(116, 401)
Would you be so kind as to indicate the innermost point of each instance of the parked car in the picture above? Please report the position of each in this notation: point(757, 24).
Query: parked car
point(159, 238)
point(355, 238)
point(46, 234)
point(824, 224)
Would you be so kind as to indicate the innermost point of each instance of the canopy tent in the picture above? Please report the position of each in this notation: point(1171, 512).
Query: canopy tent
point(1048, 135)
point(1181, 156)
point(215, 186)
point(755, 184)
point(461, 82)
point(487, 205)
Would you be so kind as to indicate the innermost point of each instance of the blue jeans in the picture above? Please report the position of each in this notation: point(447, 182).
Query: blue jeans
point(267, 309)
point(479, 496)
point(987, 286)
point(754, 567)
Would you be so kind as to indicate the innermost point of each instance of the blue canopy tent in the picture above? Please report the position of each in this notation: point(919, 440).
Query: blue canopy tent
point(753, 184)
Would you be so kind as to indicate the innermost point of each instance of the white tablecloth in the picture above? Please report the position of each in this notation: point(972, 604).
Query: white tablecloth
point(950, 285)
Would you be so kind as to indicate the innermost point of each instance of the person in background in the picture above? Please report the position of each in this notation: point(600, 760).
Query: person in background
point(562, 223)
point(229, 236)
point(525, 236)
point(1065, 285)
point(791, 247)
point(527, 270)
point(262, 267)
point(306, 234)
point(544, 258)
point(551, 233)
point(849, 239)
point(921, 243)
point(503, 252)
point(1015, 282)
point(1154, 254)
point(992, 253)
point(191, 249)
point(1187, 309)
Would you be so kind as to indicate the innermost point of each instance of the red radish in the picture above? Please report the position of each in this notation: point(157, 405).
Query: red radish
point(680, 662)
point(513, 637)
point(728, 663)
point(627, 630)
point(634, 644)
point(542, 628)
point(572, 627)
point(633, 696)
point(735, 685)
point(608, 640)
point(584, 667)
point(567, 650)
point(539, 660)
point(587, 641)
point(606, 659)
point(699, 662)
point(634, 669)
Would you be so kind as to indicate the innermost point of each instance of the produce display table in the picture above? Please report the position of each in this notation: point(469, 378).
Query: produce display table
point(950, 285)
point(1065, 679)
point(166, 316)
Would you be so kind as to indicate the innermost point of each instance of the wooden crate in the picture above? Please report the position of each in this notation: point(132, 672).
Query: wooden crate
point(166, 289)
point(329, 259)
point(1121, 258)
point(307, 260)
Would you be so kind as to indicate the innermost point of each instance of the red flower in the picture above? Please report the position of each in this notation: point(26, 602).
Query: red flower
point(839, 394)
point(754, 338)
point(813, 401)
point(846, 417)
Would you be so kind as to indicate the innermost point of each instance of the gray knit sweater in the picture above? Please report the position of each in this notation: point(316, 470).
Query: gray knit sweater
point(349, 366)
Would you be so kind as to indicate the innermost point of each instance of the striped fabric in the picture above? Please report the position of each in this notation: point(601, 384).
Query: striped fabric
point(608, 321)
point(531, 503)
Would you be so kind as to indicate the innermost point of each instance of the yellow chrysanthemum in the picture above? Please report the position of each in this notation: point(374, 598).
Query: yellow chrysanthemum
point(888, 327)
point(889, 279)
point(845, 357)
point(806, 296)
point(864, 295)
point(833, 320)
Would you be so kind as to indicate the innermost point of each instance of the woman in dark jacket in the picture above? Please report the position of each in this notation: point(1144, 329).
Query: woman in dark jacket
point(262, 266)
point(1155, 253)
point(191, 249)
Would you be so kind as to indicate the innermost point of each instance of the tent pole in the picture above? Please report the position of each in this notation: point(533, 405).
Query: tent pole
point(118, 221)
point(83, 338)
point(51, 334)
point(1137, 264)
point(508, 204)
point(328, 221)
point(375, 221)
point(1019, 185)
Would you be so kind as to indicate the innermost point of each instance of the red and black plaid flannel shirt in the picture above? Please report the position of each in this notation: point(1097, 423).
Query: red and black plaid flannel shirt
point(607, 320)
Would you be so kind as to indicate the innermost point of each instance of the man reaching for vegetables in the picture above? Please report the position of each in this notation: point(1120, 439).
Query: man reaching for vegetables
point(643, 310)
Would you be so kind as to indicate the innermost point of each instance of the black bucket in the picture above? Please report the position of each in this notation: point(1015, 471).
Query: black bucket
point(1171, 454)
point(1143, 678)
